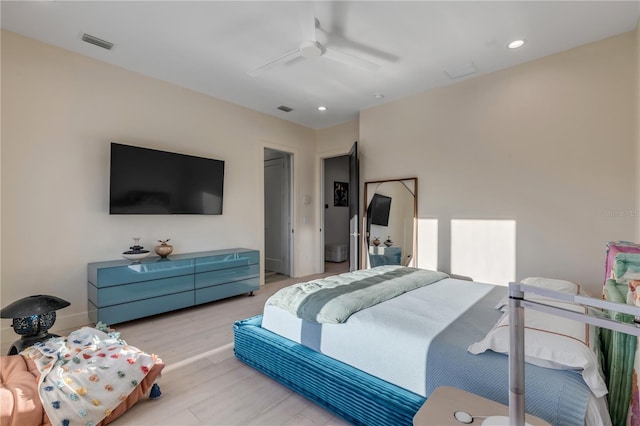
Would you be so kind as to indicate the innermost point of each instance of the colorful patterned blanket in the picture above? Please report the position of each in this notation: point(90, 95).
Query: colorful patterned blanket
point(84, 376)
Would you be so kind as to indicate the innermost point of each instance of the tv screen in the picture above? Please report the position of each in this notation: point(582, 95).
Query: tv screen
point(147, 181)
point(379, 209)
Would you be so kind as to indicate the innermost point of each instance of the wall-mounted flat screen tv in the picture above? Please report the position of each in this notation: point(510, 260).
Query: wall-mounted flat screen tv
point(379, 209)
point(148, 181)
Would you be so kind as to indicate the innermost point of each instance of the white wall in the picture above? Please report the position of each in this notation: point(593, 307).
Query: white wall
point(61, 110)
point(337, 140)
point(549, 144)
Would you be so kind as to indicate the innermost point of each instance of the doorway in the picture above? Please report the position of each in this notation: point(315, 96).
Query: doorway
point(336, 214)
point(277, 215)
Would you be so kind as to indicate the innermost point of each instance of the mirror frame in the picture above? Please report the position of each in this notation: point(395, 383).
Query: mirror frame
point(365, 243)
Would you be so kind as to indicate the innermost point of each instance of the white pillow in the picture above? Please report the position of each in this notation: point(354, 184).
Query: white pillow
point(551, 342)
point(548, 283)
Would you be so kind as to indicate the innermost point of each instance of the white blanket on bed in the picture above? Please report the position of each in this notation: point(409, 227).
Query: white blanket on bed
point(397, 357)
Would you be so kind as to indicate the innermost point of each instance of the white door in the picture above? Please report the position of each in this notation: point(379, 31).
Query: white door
point(277, 222)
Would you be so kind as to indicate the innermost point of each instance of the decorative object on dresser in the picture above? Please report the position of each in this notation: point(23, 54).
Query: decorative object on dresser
point(33, 316)
point(163, 250)
point(121, 291)
point(136, 251)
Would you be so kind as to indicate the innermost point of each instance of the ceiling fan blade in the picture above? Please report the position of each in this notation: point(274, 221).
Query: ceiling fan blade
point(307, 20)
point(350, 60)
point(289, 56)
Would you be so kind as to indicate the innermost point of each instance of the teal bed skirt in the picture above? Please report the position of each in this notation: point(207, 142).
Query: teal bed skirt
point(355, 396)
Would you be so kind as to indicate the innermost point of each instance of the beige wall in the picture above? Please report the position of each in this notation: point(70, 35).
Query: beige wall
point(60, 110)
point(337, 140)
point(549, 144)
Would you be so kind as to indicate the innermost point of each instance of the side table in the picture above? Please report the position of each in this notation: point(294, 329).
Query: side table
point(444, 401)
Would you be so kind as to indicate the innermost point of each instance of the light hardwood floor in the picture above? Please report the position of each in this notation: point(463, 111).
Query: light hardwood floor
point(203, 383)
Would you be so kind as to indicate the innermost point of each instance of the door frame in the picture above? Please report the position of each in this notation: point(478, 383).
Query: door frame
point(321, 157)
point(293, 172)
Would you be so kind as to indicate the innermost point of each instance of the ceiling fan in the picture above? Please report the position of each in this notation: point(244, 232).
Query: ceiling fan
point(310, 47)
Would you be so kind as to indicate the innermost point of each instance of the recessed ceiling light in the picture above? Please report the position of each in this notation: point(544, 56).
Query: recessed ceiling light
point(322, 108)
point(515, 44)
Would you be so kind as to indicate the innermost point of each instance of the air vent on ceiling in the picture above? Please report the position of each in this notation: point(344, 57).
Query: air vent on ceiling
point(97, 41)
point(285, 108)
point(461, 70)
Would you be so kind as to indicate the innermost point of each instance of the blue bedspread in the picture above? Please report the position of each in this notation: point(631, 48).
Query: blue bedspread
point(557, 396)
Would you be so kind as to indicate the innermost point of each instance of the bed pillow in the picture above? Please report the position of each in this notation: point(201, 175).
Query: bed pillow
point(551, 342)
point(562, 286)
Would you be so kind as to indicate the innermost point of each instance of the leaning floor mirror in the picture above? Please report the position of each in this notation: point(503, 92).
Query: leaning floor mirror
point(389, 222)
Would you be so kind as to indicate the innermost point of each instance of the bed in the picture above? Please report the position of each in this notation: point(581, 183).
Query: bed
point(90, 378)
point(351, 363)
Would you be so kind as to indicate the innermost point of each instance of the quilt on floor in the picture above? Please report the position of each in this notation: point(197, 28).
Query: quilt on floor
point(86, 375)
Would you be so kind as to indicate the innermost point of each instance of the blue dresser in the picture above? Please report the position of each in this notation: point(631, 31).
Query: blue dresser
point(121, 291)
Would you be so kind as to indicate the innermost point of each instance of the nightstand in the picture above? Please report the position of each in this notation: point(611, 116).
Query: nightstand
point(444, 401)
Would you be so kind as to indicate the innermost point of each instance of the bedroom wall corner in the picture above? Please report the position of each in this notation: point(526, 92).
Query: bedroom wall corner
point(542, 144)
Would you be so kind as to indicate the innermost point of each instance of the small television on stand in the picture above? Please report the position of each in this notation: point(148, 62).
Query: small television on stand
point(148, 181)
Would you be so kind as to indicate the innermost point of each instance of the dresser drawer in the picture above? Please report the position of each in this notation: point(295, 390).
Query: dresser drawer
point(207, 279)
point(138, 272)
point(138, 291)
point(209, 294)
point(232, 260)
point(144, 308)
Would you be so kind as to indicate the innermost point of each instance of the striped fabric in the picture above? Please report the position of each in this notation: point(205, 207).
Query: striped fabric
point(346, 391)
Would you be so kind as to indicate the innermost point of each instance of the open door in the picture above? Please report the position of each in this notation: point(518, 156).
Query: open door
point(277, 209)
point(354, 209)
